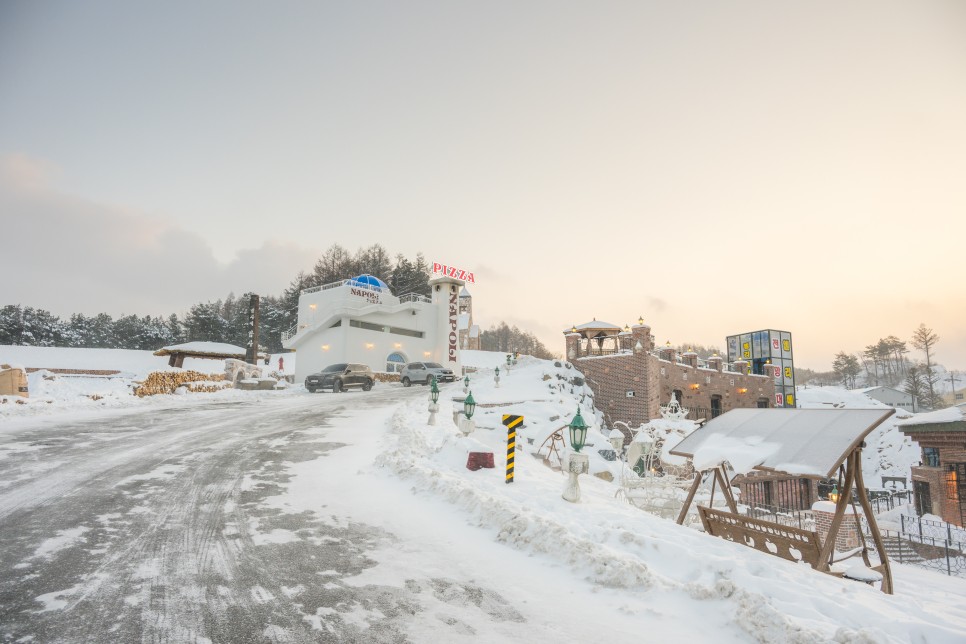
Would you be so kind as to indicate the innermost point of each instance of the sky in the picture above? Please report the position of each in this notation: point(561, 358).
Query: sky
point(714, 167)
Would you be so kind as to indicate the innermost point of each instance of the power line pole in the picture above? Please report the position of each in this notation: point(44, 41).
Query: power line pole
point(952, 384)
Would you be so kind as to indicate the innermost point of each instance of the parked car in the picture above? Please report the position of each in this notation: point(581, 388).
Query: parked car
point(422, 372)
point(340, 377)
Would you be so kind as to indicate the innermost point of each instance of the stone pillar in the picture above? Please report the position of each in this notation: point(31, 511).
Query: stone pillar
point(573, 346)
point(741, 366)
point(690, 358)
point(642, 333)
point(848, 536)
point(716, 362)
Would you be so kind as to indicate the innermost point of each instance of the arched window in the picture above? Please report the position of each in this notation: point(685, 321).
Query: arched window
point(395, 362)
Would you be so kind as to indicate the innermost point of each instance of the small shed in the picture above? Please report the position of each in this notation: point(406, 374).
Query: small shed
point(210, 350)
point(813, 443)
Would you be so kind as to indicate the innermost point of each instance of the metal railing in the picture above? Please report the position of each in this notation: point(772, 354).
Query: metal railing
point(414, 297)
point(939, 555)
point(290, 333)
point(918, 529)
point(802, 519)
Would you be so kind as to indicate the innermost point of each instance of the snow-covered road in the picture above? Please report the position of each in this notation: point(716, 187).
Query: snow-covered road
point(150, 526)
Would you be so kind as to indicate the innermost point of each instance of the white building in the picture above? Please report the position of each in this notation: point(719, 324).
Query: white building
point(360, 320)
point(891, 397)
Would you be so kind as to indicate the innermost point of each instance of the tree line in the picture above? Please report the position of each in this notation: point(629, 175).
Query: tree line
point(222, 320)
point(885, 363)
point(226, 320)
point(507, 339)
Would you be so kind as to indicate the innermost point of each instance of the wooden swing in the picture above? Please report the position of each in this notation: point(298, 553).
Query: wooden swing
point(808, 443)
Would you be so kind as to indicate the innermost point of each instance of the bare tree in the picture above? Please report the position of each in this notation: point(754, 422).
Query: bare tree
point(925, 340)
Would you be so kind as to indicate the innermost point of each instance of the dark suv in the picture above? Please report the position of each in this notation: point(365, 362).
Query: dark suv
point(423, 372)
point(340, 376)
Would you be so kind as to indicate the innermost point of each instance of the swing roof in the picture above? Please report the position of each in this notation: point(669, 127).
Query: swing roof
point(805, 442)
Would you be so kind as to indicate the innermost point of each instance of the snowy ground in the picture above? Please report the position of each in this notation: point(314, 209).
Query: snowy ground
point(295, 517)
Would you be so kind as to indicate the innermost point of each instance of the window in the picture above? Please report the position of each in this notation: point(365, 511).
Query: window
point(930, 456)
point(952, 485)
point(395, 362)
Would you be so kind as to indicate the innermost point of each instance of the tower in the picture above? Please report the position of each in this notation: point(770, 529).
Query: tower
point(445, 292)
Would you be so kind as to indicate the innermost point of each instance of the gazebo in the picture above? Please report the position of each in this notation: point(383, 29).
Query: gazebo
point(598, 338)
point(210, 350)
point(809, 443)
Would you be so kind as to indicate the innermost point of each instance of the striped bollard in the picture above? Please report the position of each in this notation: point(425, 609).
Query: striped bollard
point(511, 422)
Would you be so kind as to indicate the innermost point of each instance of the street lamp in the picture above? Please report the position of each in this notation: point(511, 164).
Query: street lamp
point(616, 440)
point(466, 424)
point(496, 378)
point(833, 496)
point(577, 463)
point(433, 400)
point(578, 432)
point(466, 384)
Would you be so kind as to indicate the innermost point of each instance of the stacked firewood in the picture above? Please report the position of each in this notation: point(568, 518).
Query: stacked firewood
point(165, 382)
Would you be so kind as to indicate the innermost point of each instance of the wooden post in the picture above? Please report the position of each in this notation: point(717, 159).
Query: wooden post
point(722, 476)
point(251, 351)
point(845, 498)
point(690, 499)
point(884, 568)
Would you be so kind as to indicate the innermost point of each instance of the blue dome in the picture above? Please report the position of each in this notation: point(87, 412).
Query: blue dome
point(369, 280)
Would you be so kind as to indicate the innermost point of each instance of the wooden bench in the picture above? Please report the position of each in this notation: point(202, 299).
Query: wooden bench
point(793, 544)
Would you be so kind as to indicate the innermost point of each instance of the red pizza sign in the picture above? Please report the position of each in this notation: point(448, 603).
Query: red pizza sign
point(452, 271)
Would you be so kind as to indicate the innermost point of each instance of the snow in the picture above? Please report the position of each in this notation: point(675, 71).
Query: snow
point(947, 415)
point(565, 571)
point(209, 348)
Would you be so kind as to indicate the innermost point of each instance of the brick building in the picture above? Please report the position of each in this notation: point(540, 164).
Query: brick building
point(631, 378)
point(939, 482)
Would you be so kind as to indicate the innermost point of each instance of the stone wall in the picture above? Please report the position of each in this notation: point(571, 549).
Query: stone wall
point(632, 385)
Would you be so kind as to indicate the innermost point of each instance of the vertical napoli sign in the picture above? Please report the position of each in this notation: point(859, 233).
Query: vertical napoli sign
point(453, 272)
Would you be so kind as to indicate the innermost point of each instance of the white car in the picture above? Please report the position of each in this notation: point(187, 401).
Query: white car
point(422, 373)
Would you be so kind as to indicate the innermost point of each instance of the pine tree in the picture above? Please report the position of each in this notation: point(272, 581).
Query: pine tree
point(846, 367)
point(11, 324)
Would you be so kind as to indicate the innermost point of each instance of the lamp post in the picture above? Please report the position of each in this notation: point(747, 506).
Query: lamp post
point(433, 400)
point(577, 463)
point(466, 384)
point(469, 408)
point(496, 378)
point(508, 358)
point(616, 440)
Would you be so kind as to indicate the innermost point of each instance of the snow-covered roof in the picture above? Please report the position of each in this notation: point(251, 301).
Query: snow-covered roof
point(595, 325)
point(948, 415)
point(808, 442)
point(464, 292)
point(218, 349)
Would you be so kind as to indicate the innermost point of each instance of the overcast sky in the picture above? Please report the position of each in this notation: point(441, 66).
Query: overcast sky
point(717, 167)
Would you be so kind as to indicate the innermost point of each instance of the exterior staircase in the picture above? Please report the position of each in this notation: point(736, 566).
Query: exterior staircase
point(901, 550)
